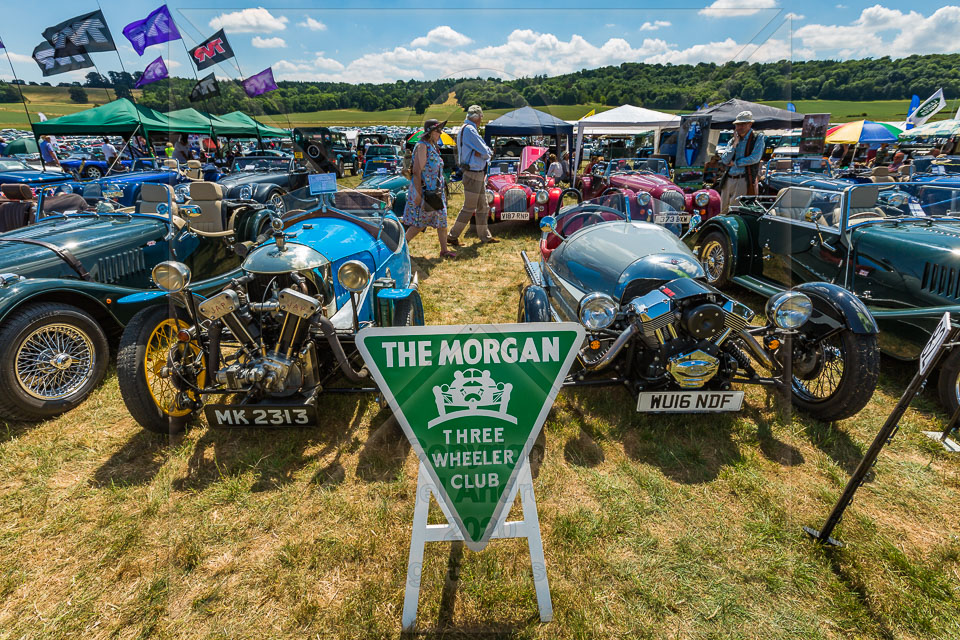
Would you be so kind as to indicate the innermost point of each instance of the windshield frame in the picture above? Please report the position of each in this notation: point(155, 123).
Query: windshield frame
point(23, 165)
point(254, 159)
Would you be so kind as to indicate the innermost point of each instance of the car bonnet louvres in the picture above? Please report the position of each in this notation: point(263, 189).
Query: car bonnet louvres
point(669, 201)
point(114, 268)
point(515, 200)
point(941, 280)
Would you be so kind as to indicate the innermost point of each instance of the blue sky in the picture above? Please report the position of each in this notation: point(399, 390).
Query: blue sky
point(387, 41)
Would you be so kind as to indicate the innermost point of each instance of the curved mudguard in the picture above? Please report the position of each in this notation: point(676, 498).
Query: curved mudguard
point(737, 234)
point(535, 304)
point(836, 308)
point(387, 300)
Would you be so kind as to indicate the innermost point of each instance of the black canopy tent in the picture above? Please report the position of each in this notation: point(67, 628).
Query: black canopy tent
point(765, 116)
point(528, 121)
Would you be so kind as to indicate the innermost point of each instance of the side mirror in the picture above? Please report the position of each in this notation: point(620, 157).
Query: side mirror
point(812, 214)
point(548, 224)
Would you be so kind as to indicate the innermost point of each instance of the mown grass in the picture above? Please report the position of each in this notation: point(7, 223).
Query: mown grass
point(657, 527)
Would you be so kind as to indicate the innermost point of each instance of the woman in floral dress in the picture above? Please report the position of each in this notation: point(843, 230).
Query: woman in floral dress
point(427, 173)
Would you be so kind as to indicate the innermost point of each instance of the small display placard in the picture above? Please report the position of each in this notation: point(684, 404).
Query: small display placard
point(322, 183)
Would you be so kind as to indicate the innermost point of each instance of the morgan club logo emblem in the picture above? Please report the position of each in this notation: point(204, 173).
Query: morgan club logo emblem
point(209, 50)
point(473, 391)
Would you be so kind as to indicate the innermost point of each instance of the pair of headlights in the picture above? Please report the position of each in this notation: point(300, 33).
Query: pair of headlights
point(173, 276)
point(788, 310)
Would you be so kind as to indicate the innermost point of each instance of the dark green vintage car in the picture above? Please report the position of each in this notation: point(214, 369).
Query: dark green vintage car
point(901, 258)
point(393, 181)
point(60, 281)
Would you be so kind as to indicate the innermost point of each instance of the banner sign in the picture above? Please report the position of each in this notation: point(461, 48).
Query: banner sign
point(260, 83)
point(926, 110)
point(211, 51)
point(692, 141)
point(813, 133)
point(50, 64)
point(472, 400)
point(77, 36)
point(156, 28)
point(206, 87)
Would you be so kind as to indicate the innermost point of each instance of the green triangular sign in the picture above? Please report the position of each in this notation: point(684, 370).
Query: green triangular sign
point(472, 400)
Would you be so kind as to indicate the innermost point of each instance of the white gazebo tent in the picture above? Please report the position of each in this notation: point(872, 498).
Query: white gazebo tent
point(625, 119)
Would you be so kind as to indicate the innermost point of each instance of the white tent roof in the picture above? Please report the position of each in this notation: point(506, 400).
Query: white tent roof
point(626, 119)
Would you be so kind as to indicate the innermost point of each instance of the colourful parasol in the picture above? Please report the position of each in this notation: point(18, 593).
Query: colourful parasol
point(445, 139)
point(862, 132)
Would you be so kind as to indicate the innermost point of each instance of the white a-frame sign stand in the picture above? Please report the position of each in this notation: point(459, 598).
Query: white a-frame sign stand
point(472, 400)
point(528, 528)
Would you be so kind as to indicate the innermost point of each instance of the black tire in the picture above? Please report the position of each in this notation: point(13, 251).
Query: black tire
point(858, 380)
point(353, 168)
point(80, 362)
point(275, 199)
point(92, 173)
point(339, 168)
point(405, 312)
point(716, 258)
point(948, 384)
point(136, 392)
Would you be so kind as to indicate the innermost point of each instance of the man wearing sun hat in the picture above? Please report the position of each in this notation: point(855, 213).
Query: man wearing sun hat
point(474, 155)
point(742, 160)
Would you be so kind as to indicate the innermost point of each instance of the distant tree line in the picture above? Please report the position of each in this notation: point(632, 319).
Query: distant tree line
point(663, 86)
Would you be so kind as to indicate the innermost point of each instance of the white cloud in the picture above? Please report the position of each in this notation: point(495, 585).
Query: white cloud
point(306, 69)
point(653, 26)
point(880, 31)
point(794, 16)
point(313, 25)
point(19, 57)
point(735, 8)
point(268, 43)
point(729, 49)
point(250, 21)
point(443, 36)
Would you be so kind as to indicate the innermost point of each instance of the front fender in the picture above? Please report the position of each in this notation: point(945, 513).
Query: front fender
point(87, 294)
point(735, 229)
point(534, 304)
point(834, 308)
point(261, 191)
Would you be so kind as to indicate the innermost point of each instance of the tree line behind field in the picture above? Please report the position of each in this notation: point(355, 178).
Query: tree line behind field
point(657, 86)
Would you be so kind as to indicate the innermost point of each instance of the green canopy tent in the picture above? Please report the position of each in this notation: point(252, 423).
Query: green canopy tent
point(119, 117)
point(21, 146)
point(264, 131)
point(221, 127)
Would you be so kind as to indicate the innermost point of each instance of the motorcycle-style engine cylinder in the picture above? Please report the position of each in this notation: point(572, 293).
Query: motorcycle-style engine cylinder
point(224, 306)
point(296, 309)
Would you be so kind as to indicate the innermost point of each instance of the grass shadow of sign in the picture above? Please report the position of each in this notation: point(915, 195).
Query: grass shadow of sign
point(137, 462)
point(384, 452)
point(275, 455)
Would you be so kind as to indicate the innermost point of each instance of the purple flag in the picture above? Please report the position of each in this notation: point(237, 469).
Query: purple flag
point(156, 70)
point(260, 83)
point(155, 28)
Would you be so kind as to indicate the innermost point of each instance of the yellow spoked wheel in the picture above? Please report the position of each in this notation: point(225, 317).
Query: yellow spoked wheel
point(157, 355)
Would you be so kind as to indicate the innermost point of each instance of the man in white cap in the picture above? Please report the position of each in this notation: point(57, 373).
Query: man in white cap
point(474, 155)
point(742, 160)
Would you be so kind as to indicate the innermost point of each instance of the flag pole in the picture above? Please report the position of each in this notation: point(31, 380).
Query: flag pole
point(213, 132)
point(23, 101)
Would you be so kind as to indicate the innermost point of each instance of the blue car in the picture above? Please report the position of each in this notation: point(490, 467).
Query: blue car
point(16, 171)
point(90, 165)
point(124, 187)
point(381, 156)
point(260, 350)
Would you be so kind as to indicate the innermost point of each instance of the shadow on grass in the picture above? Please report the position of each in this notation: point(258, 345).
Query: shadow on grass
point(136, 462)
point(860, 592)
point(384, 452)
point(275, 455)
point(13, 430)
point(836, 443)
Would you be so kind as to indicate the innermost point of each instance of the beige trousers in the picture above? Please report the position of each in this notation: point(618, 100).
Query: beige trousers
point(733, 188)
point(474, 204)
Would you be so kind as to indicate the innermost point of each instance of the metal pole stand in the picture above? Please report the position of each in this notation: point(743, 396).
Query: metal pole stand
point(528, 528)
point(930, 357)
point(943, 436)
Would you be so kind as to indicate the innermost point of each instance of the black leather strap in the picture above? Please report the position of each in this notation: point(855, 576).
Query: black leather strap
point(63, 254)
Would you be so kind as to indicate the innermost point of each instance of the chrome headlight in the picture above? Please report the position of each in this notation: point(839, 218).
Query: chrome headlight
point(171, 276)
point(897, 199)
point(489, 197)
point(597, 311)
point(542, 197)
point(354, 276)
point(789, 309)
point(246, 192)
point(702, 199)
point(643, 199)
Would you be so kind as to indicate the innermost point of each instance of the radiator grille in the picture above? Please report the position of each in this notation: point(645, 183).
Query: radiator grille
point(118, 266)
point(515, 200)
point(941, 280)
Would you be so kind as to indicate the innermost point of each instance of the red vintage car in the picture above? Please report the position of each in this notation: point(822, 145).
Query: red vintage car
point(517, 194)
point(646, 184)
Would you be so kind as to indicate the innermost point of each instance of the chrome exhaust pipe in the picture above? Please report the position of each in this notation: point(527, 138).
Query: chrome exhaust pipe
point(604, 361)
point(758, 351)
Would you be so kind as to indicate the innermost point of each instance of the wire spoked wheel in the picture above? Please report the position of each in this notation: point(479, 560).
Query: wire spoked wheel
point(714, 260)
point(158, 354)
point(276, 203)
point(54, 361)
point(835, 377)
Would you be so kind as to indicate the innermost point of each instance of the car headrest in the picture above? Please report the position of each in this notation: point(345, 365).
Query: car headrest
point(16, 191)
point(193, 164)
point(783, 164)
point(205, 191)
point(905, 170)
point(864, 197)
point(171, 164)
point(156, 192)
point(794, 198)
point(880, 171)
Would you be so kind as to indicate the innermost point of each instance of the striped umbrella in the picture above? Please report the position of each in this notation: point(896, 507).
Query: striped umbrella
point(445, 139)
point(938, 129)
point(862, 132)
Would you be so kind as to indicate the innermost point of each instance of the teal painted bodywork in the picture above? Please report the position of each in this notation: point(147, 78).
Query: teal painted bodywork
point(396, 183)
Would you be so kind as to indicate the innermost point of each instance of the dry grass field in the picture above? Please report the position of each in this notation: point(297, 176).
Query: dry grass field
point(656, 527)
